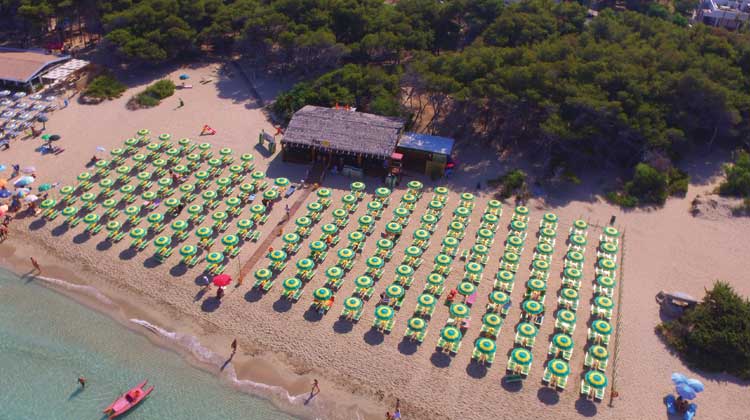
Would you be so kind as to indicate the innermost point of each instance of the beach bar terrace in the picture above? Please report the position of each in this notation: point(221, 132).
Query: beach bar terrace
point(341, 136)
point(23, 68)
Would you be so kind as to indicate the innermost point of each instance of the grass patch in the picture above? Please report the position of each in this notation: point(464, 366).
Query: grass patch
point(153, 95)
point(512, 182)
point(104, 86)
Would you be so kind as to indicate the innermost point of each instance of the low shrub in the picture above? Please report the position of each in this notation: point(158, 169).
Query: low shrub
point(153, 94)
point(737, 182)
point(650, 186)
point(104, 86)
point(512, 182)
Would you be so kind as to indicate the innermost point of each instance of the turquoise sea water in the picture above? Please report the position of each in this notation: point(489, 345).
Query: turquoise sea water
point(48, 340)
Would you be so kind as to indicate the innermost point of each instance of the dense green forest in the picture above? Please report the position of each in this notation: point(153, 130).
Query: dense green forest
point(615, 90)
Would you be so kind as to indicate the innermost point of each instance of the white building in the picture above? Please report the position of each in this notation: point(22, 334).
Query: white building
point(730, 14)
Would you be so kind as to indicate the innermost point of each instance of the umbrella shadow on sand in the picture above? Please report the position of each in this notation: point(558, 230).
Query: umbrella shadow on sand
point(407, 347)
point(211, 304)
point(151, 262)
point(253, 295)
point(104, 245)
point(374, 337)
point(60, 230)
point(440, 359)
point(312, 315)
point(81, 238)
point(128, 254)
point(548, 396)
point(282, 305)
point(178, 270)
point(37, 224)
point(342, 326)
point(476, 370)
point(585, 407)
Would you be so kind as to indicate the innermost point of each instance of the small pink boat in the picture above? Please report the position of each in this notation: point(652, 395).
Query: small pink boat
point(128, 400)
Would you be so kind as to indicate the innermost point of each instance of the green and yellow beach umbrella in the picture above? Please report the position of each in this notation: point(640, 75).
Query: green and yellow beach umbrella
point(322, 293)
point(153, 147)
point(247, 224)
point(334, 272)
point(187, 188)
point(611, 232)
point(441, 190)
point(195, 209)
point(505, 276)
point(171, 202)
point(415, 185)
point(193, 157)
point(356, 236)
point(132, 210)
point(318, 246)
point(204, 232)
point(473, 268)
point(363, 282)
point(404, 270)
point(485, 345)
point(202, 175)
point(48, 203)
point(456, 226)
point(492, 320)
point(599, 352)
point(384, 244)
point(339, 214)
point(417, 324)
point(461, 212)
point(606, 282)
point(204, 147)
point(106, 183)
point(485, 234)
point(515, 241)
point(578, 240)
point(409, 198)
point(532, 307)
point(596, 379)
point(180, 169)
point(467, 196)
point(223, 181)
point(91, 218)
point(494, 204)
point(155, 218)
point(291, 284)
point(263, 274)
point(569, 294)
point(137, 233)
point(159, 163)
point(490, 218)
point(393, 227)
point(139, 158)
point(450, 241)
point(413, 251)
point(562, 341)
point(280, 182)
point(314, 206)
point(608, 247)
point(183, 141)
point(165, 137)
point(550, 217)
point(499, 297)
point(436, 205)
point(219, 216)
point(522, 210)
point(143, 176)
point(566, 316)
point(575, 256)
point(384, 313)
point(544, 248)
point(602, 327)
point(511, 257)
point(260, 209)
point(548, 233)
point(247, 157)
point(540, 265)
point(348, 199)
point(459, 310)
point(329, 229)
point(536, 285)
point(435, 279)
point(289, 238)
point(345, 254)
point(231, 240)
point(580, 224)
point(67, 190)
point(526, 329)
point(84, 176)
point(429, 219)
point(427, 300)
point(70, 211)
point(257, 175)
point(374, 206)
point(117, 152)
point(465, 288)
point(188, 250)
point(559, 368)
point(131, 142)
point(113, 225)
point(247, 188)
point(172, 152)
point(443, 260)
point(162, 241)
point(382, 192)
point(237, 169)
point(606, 264)
point(225, 151)
point(421, 234)
point(88, 197)
point(374, 262)
point(214, 162)
point(277, 255)
point(572, 273)
point(451, 334)
point(127, 189)
point(604, 302)
point(518, 225)
point(357, 186)
point(353, 303)
point(303, 221)
point(323, 193)
point(179, 225)
point(305, 264)
point(232, 202)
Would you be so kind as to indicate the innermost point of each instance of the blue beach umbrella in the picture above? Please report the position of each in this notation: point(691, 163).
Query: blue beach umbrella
point(3, 167)
point(5, 193)
point(685, 391)
point(695, 384)
point(23, 181)
point(184, 76)
point(678, 378)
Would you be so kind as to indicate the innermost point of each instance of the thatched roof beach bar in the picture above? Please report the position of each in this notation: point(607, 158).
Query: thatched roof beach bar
point(342, 135)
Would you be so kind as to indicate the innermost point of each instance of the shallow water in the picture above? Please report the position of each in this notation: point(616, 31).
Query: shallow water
point(47, 341)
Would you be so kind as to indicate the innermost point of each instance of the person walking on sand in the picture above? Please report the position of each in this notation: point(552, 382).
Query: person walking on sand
point(181, 103)
point(35, 263)
point(82, 381)
point(234, 346)
point(315, 388)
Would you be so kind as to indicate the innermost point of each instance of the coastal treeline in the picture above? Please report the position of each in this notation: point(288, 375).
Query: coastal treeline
point(620, 90)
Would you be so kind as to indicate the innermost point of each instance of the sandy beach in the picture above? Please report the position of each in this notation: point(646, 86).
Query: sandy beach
point(362, 372)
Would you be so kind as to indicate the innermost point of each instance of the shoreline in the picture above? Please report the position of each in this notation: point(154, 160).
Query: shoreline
point(258, 376)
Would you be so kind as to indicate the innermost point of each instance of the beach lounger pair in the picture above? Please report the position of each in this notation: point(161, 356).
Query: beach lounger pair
point(590, 392)
point(558, 382)
point(415, 336)
point(292, 295)
point(447, 347)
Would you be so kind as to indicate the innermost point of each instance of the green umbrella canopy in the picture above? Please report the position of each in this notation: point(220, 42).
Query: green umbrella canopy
point(179, 225)
point(143, 176)
point(382, 192)
point(305, 264)
point(435, 279)
point(611, 232)
point(450, 241)
point(474, 268)
point(357, 186)
point(232, 240)
point(353, 303)
point(461, 211)
point(521, 356)
point(384, 313)
point(323, 193)
point(494, 204)
point(87, 196)
point(105, 183)
point(330, 228)
point(485, 345)
point(159, 163)
point(429, 218)
point(183, 141)
point(550, 217)
point(334, 272)
point(441, 190)
point(608, 247)
point(465, 288)
point(90, 218)
point(485, 234)
point(505, 276)
point(127, 189)
point(459, 310)
point(348, 199)
point(247, 224)
point(606, 264)
point(346, 254)
point(165, 136)
point(116, 152)
point(518, 225)
point(527, 329)
point(394, 291)
point(187, 188)
point(436, 205)
point(225, 151)
point(374, 205)
point(426, 300)
point(511, 257)
point(108, 203)
point(132, 210)
point(195, 209)
point(451, 334)
point(515, 241)
point(171, 202)
point(599, 352)
point(270, 194)
point(374, 262)
point(572, 273)
point(575, 256)
point(172, 152)
point(131, 142)
point(490, 218)
point(204, 146)
point(214, 162)
point(155, 218)
point(140, 157)
point(67, 190)
point(579, 240)
point(219, 216)
point(467, 196)
point(162, 241)
point(604, 302)
point(544, 248)
point(204, 232)
point(562, 341)
point(532, 307)
point(499, 297)
point(569, 294)
point(456, 226)
point(385, 244)
point(69, 211)
point(442, 259)
point(318, 246)
point(188, 250)
point(366, 220)
point(223, 181)
point(277, 255)
point(596, 379)
point(363, 282)
point(247, 157)
point(580, 224)
point(605, 281)
point(153, 147)
point(314, 206)
point(540, 265)
point(246, 187)
point(417, 324)
point(236, 169)
point(48, 203)
point(232, 202)
point(602, 327)
point(263, 274)
point(548, 233)
point(559, 367)
point(290, 238)
point(292, 284)
point(281, 182)
point(356, 236)
point(566, 315)
point(339, 214)
point(260, 208)
point(492, 320)
point(258, 175)
point(413, 251)
point(404, 270)
point(415, 185)
point(202, 175)
point(536, 285)
point(522, 210)
point(409, 198)
point(137, 233)
point(84, 176)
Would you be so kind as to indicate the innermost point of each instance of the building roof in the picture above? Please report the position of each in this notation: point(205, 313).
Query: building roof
point(23, 65)
point(426, 143)
point(343, 131)
point(64, 70)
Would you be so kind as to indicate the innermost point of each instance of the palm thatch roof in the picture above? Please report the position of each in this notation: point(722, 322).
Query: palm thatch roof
point(343, 131)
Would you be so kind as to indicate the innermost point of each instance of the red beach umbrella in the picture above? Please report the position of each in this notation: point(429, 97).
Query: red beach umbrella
point(222, 280)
